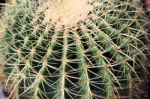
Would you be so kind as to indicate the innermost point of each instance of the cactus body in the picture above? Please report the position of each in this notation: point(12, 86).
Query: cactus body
point(71, 49)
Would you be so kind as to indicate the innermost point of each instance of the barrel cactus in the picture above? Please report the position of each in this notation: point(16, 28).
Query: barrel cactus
point(72, 49)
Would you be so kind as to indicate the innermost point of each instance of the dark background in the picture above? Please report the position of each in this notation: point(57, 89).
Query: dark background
point(2, 1)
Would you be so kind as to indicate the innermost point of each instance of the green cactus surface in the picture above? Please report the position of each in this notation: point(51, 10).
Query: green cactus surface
point(72, 49)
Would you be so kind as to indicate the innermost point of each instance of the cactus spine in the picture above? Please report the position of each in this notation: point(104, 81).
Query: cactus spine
point(72, 49)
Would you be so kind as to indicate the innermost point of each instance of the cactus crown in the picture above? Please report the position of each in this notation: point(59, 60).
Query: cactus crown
point(67, 13)
point(72, 49)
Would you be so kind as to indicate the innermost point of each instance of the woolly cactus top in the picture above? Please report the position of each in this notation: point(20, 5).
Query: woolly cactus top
point(68, 13)
point(72, 49)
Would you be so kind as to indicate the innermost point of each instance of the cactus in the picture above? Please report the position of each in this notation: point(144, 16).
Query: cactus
point(72, 49)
